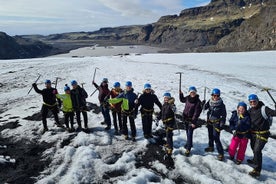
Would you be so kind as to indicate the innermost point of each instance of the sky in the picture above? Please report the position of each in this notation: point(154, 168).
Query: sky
point(19, 17)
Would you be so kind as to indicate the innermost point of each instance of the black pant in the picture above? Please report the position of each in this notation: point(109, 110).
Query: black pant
point(85, 119)
point(147, 123)
point(169, 135)
point(257, 146)
point(189, 134)
point(116, 114)
point(44, 111)
point(67, 116)
point(214, 136)
point(132, 124)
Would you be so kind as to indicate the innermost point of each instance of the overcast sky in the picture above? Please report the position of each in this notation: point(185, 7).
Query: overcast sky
point(18, 17)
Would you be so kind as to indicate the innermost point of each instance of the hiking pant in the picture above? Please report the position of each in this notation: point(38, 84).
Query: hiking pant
point(240, 144)
point(106, 115)
point(189, 134)
point(169, 135)
point(116, 114)
point(257, 146)
point(67, 116)
point(44, 112)
point(214, 136)
point(147, 124)
point(131, 122)
point(85, 119)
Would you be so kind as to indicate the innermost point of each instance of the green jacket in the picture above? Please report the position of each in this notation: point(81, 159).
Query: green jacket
point(118, 100)
point(66, 101)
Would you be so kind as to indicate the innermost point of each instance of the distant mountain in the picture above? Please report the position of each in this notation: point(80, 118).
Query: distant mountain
point(222, 25)
point(18, 47)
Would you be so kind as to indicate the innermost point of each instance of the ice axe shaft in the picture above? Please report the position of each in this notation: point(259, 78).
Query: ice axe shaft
point(267, 90)
point(94, 92)
point(180, 79)
point(34, 82)
point(94, 75)
point(56, 82)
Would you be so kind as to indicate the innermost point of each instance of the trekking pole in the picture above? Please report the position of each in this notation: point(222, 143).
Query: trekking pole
point(180, 76)
point(267, 90)
point(34, 82)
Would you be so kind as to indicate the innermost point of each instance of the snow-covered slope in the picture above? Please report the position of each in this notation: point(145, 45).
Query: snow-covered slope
point(100, 156)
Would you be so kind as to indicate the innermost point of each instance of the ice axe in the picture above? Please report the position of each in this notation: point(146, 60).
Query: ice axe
point(82, 84)
point(180, 76)
point(204, 98)
point(57, 81)
point(94, 75)
point(267, 90)
point(34, 82)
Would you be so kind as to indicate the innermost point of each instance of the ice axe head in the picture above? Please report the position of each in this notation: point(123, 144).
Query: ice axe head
point(265, 89)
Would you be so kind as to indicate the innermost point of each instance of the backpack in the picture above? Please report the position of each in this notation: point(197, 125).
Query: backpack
point(267, 118)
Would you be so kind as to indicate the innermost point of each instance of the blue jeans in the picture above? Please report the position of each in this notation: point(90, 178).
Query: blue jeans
point(106, 115)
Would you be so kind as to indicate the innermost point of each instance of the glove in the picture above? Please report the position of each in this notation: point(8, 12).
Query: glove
point(34, 84)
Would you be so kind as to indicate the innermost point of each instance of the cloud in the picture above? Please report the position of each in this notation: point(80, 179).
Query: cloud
point(56, 16)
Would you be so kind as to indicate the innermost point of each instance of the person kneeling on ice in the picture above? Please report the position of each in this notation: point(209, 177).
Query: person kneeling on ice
point(260, 125)
point(167, 115)
point(67, 108)
point(240, 124)
point(191, 113)
point(49, 103)
point(128, 98)
point(216, 117)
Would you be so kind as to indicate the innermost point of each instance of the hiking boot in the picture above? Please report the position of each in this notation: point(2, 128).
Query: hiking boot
point(45, 130)
point(107, 128)
point(150, 136)
point(220, 157)
point(72, 129)
point(116, 132)
point(169, 151)
point(166, 145)
point(86, 130)
point(146, 136)
point(126, 137)
point(238, 162)
point(231, 157)
point(254, 173)
point(59, 124)
point(187, 153)
point(133, 139)
point(103, 123)
point(209, 149)
point(250, 161)
point(79, 129)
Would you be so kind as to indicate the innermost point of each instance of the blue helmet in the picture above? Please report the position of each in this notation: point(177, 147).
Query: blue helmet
point(243, 104)
point(215, 91)
point(66, 88)
point(253, 97)
point(47, 81)
point(129, 84)
point(147, 86)
point(116, 84)
point(73, 82)
point(105, 80)
point(192, 89)
point(167, 94)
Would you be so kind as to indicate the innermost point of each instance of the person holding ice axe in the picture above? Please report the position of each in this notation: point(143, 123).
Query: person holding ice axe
point(260, 125)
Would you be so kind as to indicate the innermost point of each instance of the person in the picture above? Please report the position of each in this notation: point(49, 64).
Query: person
point(259, 131)
point(191, 113)
point(128, 98)
point(147, 101)
point(67, 108)
point(103, 97)
point(116, 108)
point(167, 115)
point(240, 124)
point(78, 96)
point(216, 117)
point(49, 103)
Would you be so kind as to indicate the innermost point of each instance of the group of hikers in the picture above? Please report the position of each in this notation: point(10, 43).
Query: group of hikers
point(246, 124)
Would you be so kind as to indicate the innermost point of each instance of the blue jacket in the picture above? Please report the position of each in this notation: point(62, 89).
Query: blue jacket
point(130, 98)
point(240, 124)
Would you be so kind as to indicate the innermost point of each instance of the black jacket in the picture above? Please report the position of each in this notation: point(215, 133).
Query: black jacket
point(48, 95)
point(147, 101)
point(167, 112)
point(258, 123)
point(78, 97)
